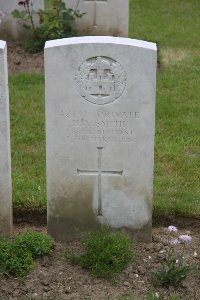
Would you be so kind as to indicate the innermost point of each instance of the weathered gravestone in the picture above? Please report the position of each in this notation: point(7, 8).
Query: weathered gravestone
point(100, 101)
point(108, 17)
point(5, 160)
point(11, 28)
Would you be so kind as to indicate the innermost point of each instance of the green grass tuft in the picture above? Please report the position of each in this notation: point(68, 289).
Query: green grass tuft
point(14, 259)
point(17, 253)
point(106, 254)
point(37, 243)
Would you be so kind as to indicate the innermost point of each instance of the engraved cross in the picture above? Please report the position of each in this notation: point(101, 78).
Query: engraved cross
point(95, 9)
point(99, 173)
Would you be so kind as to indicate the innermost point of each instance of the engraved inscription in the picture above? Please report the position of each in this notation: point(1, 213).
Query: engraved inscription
point(99, 173)
point(100, 80)
point(102, 127)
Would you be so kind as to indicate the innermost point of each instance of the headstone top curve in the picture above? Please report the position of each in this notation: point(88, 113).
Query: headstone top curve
point(101, 40)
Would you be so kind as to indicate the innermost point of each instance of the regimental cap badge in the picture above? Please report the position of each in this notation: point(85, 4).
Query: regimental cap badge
point(100, 80)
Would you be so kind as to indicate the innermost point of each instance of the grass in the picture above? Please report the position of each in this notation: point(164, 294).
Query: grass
point(28, 140)
point(174, 25)
point(177, 147)
point(17, 253)
point(106, 253)
point(169, 23)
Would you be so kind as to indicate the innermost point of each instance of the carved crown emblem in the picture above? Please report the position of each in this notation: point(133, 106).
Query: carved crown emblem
point(100, 80)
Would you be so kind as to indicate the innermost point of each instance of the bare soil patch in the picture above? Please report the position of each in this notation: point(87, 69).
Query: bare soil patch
point(54, 277)
point(21, 61)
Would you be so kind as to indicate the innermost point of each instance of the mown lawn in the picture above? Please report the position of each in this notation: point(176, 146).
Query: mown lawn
point(28, 139)
point(175, 26)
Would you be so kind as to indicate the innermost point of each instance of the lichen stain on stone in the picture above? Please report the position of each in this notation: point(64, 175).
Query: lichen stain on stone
point(142, 234)
point(75, 211)
point(5, 226)
point(130, 189)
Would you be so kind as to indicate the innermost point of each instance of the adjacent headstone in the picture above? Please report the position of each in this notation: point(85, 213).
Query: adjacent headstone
point(5, 159)
point(100, 107)
point(12, 28)
point(102, 17)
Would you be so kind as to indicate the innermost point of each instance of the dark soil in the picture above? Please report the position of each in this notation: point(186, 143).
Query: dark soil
point(54, 277)
point(21, 61)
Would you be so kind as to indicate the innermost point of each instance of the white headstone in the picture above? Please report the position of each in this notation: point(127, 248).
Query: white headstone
point(12, 28)
point(100, 107)
point(5, 159)
point(108, 17)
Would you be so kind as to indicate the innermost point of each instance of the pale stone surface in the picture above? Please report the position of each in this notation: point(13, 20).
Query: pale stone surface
point(100, 106)
point(11, 28)
point(108, 17)
point(5, 160)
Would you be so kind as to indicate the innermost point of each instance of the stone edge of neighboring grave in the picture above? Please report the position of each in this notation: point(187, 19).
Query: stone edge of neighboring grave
point(2, 44)
point(101, 40)
point(8, 226)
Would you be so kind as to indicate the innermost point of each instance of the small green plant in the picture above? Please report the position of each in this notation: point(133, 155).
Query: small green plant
point(37, 243)
point(55, 23)
point(17, 254)
point(172, 268)
point(106, 254)
point(14, 259)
